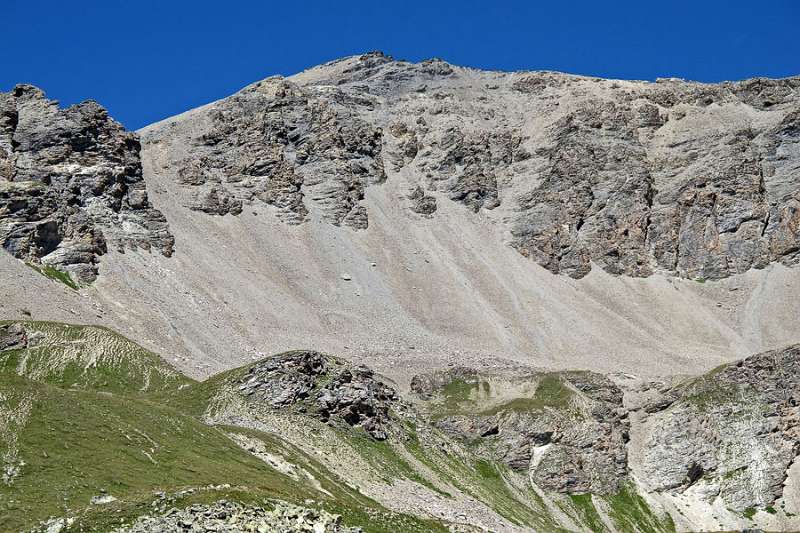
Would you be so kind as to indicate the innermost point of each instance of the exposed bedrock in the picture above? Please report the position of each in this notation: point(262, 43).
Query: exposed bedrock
point(71, 185)
point(696, 180)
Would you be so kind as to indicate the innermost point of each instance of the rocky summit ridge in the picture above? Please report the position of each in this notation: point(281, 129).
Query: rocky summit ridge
point(380, 295)
point(687, 178)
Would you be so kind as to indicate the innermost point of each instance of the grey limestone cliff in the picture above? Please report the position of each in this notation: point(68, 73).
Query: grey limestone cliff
point(71, 185)
point(697, 180)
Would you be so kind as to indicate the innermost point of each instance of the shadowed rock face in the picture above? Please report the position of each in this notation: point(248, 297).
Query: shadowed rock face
point(696, 180)
point(13, 337)
point(71, 185)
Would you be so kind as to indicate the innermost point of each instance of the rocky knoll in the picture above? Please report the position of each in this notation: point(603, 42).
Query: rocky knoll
point(328, 388)
point(71, 185)
point(698, 180)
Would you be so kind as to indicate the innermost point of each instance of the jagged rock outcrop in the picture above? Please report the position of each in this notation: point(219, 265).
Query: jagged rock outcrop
point(697, 180)
point(422, 203)
point(729, 435)
point(627, 187)
point(587, 449)
point(568, 430)
point(325, 387)
point(279, 143)
point(71, 185)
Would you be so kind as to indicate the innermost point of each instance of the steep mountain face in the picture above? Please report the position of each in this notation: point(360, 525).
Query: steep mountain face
point(500, 301)
point(691, 179)
point(71, 185)
point(368, 206)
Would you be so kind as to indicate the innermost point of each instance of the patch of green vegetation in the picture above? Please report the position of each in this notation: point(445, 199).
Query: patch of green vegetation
point(460, 396)
point(700, 280)
point(631, 513)
point(193, 399)
point(587, 512)
point(54, 274)
point(355, 508)
point(497, 493)
point(459, 390)
point(518, 405)
point(455, 397)
point(730, 474)
point(749, 513)
point(421, 454)
point(707, 394)
point(89, 358)
point(708, 391)
point(385, 459)
point(94, 413)
point(551, 393)
point(484, 481)
point(771, 510)
point(76, 444)
point(525, 509)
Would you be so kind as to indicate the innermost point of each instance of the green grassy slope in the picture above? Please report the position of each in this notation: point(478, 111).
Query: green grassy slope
point(85, 412)
point(80, 416)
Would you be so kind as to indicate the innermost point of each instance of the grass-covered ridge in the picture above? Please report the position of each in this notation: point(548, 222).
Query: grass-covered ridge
point(85, 412)
point(82, 415)
point(492, 395)
point(88, 358)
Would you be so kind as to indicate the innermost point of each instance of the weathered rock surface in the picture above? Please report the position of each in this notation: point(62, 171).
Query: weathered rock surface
point(729, 435)
point(568, 430)
point(421, 202)
point(232, 517)
point(71, 185)
point(693, 179)
point(328, 388)
point(279, 143)
point(583, 450)
point(12, 337)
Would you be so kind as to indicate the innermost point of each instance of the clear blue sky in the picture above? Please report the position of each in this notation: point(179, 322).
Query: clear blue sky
point(146, 60)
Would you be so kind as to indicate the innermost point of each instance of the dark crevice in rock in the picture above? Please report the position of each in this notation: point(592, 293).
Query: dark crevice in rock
point(695, 473)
